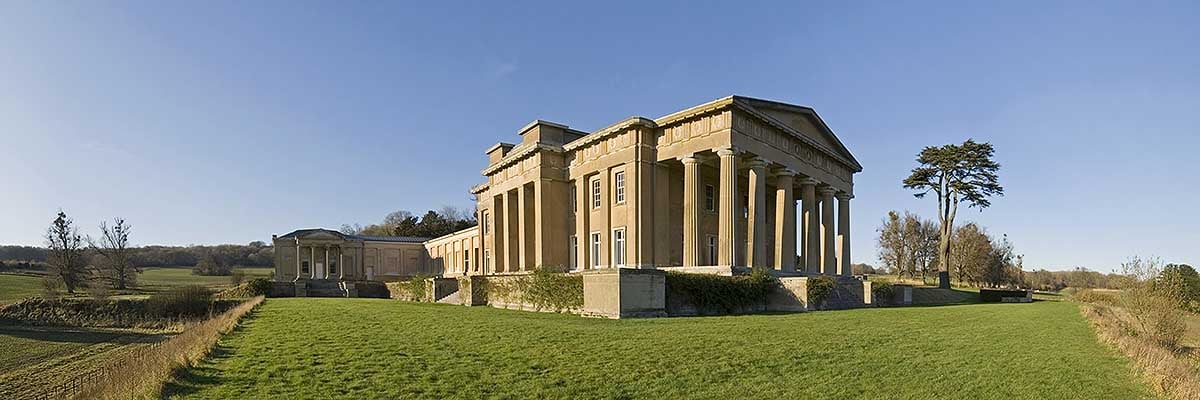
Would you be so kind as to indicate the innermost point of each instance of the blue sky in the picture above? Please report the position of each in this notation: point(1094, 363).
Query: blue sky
point(197, 122)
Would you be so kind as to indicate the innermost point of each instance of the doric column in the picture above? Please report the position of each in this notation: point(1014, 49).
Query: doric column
point(325, 273)
point(523, 227)
point(312, 262)
point(756, 221)
point(341, 263)
point(828, 244)
point(728, 237)
point(583, 212)
point(785, 222)
point(505, 264)
point(843, 233)
point(810, 227)
point(297, 260)
point(692, 187)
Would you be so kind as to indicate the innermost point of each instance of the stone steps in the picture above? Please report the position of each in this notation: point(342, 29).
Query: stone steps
point(325, 288)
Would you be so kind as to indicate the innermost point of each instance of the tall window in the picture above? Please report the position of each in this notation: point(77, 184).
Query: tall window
point(487, 227)
point(304, 266)
point(574, 253)
point(712, 250)
point(710, 198)
point(595, 249)
point(333, 267)
point(487, 259)
point(619, 180)
point(596, 193)
point(574, 200)
point(466, 260)
point(618, 247)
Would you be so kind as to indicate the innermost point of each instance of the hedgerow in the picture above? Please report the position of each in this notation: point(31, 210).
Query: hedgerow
point(720, 294)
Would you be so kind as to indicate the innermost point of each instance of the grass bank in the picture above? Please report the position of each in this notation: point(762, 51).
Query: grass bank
point(359, 348)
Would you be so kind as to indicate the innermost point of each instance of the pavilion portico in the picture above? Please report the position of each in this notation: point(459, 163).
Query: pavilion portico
point(778, 206)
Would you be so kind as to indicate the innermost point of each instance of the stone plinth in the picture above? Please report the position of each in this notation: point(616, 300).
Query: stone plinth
point(625, 293)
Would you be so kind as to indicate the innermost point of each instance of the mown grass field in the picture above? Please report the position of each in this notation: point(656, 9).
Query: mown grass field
point(383, 349)
point(14, 287)
point(32, 358)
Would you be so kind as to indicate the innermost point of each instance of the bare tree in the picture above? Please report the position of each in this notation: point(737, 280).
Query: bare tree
point(66, 253)
point(116, 258)
point(955, 173)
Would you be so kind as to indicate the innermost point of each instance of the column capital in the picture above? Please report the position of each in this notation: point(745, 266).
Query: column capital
point(843, 196)
point(808, 181)
point(754, 162)
point(727, 151)
point(784, 172)
point(689, 159)
point(826, 190)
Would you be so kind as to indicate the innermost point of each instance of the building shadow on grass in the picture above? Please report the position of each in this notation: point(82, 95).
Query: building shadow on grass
point(186, 381)
point(79, 335)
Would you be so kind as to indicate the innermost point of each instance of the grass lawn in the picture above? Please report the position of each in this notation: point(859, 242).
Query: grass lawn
point(305, 348)
point(33, 358)
point(16, 287)
point(158, 278)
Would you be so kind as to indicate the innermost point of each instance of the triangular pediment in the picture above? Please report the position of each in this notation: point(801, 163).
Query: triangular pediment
point(801, 120)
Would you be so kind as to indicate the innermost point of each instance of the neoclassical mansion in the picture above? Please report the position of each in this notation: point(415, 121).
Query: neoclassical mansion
point(734, 183)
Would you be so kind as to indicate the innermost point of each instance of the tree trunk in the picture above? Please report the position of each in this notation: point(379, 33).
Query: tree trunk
point(944, 258)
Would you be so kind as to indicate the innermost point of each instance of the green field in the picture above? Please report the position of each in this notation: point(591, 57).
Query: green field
point(382, 349)
point(17, 287)
point(14, 287)
point(153, 279)
point(34, 358)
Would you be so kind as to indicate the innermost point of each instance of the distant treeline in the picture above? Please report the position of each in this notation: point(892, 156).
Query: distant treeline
point(254, 254)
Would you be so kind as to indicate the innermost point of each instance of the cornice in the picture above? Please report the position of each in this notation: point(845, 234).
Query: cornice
point(608, 130)
point(518, 153)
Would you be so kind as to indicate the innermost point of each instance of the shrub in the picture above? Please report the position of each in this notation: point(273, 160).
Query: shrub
point(553, 290)
point(237, 277)
point(882, 293)
point(255, 287)
point(819, 289)
point(409, 290)
point(720, 294)
point(51, 288)
point(183, 302)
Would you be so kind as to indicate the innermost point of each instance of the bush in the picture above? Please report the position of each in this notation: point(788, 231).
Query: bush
point(720, 294)
point(553, 291)
point(882, 293)
point(410, 290)
point(255, 287)
point(819, 289)
point(237, 277)
point(181, 302)
point(212, 266)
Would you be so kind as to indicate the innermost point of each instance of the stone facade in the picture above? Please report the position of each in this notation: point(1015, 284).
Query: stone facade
point(713, 185)
point(725, 186)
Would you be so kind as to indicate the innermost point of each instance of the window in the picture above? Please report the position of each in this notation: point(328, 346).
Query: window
point(466, 260)
point(710, 198)
point(619, 180)
point(712, 250)
point(487, 228)
point(595, 249)
point(596, 193)
point(333, 267)
point(745, 206)
point(574, 253)
point(304, 266)
point(618, 256)
point(487, 259)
